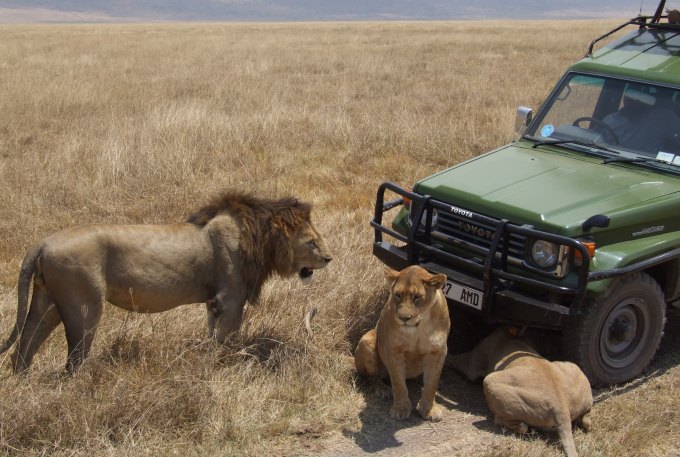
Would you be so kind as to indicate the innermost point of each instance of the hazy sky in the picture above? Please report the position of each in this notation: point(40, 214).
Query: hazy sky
point(295, 10)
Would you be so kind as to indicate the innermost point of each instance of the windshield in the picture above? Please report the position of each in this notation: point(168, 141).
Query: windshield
point(634, 119)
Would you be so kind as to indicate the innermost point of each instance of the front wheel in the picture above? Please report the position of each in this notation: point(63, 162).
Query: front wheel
point(616, 336)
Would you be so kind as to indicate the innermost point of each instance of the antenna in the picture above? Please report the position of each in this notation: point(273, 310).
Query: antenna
point(641, 3)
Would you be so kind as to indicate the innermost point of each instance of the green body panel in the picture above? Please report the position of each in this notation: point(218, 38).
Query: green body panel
point(620, 255)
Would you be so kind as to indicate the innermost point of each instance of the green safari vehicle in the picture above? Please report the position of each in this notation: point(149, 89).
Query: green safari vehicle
point(575, 226)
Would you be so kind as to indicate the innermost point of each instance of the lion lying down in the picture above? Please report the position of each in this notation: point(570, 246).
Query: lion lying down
point(220, 256)
point(523, 389)
point(409, 340)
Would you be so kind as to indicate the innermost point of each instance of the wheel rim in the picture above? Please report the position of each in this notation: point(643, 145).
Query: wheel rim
point(623, 333)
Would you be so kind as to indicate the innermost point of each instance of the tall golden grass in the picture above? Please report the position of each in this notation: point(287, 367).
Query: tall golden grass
point(141, 123)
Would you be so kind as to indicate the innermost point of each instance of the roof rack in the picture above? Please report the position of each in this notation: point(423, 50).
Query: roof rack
point(643, 22)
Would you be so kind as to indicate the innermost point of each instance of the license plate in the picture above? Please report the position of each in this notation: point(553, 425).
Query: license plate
point(464, 295)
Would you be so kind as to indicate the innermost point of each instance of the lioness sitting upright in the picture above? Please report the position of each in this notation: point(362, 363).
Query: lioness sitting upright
point(523, 389)
point(408, 341)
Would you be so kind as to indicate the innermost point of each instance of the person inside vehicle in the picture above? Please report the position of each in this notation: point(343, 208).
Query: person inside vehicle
point(645, 122)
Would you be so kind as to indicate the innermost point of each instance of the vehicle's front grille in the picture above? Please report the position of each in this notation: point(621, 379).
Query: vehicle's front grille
point(454, 228)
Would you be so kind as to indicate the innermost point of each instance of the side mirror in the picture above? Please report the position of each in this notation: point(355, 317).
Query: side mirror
point(523, 119)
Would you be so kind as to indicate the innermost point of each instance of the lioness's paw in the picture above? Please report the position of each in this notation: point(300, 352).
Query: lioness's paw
point(516, 426)
point(434, 414)
point(400, 411)
point(382, 390)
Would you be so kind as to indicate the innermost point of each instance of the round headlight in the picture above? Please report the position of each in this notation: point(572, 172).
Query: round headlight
point(435, 217)
point(544, 253)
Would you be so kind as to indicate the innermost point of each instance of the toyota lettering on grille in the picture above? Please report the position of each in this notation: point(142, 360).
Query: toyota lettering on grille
point(479, 232)
point(461, 212)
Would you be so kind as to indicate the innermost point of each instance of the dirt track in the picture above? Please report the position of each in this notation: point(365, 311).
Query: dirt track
point(465, 421)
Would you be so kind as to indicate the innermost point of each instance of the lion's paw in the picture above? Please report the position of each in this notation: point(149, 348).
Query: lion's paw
point(435, 414)
point(400, 411)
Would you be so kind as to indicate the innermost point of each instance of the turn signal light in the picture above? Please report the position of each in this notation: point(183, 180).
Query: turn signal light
point(590, 246)
point(407, 201)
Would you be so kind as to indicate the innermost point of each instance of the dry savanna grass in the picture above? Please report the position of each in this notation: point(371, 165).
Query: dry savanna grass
point(141, 123)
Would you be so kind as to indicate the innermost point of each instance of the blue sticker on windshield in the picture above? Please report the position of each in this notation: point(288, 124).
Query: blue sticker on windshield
point(547, 130)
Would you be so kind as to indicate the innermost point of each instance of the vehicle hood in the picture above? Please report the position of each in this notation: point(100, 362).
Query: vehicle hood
point(549, 188)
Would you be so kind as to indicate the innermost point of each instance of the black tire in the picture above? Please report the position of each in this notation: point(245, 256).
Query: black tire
point(616, 336)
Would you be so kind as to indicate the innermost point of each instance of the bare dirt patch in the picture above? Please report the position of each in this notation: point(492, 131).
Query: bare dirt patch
point(464, 427)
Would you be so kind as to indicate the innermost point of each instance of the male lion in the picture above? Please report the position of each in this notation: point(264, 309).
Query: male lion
point(221, 255)
point(523, 389)
point(408, 341)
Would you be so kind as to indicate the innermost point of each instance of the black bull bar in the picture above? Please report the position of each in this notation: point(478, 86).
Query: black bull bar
point(503, 301)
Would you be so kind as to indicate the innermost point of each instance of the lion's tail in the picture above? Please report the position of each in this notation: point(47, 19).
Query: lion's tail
point(565, 433)
point(25, 277)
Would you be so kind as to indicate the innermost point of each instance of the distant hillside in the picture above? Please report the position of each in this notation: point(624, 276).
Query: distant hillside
point(309, 10)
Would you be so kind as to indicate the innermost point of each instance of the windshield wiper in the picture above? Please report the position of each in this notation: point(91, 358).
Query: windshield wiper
point(635, 160)
point(551, 142)
point(577, 142)
point(608, 159)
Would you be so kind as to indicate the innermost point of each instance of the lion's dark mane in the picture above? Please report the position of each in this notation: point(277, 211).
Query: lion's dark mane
point(267, 229)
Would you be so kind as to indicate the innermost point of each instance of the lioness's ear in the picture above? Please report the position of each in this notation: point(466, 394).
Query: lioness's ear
point(391, 275)
point(437, 281)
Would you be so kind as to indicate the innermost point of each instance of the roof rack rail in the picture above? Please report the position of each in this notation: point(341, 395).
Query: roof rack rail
point(644, 22)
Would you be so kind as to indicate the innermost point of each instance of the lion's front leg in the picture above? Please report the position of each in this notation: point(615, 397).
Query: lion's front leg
point(401, 404)
point(427, 408)
point(225, 313)
point(211, 308)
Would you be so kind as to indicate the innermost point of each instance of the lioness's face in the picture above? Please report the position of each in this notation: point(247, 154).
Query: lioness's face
point(413, 292)
point(309, 251)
